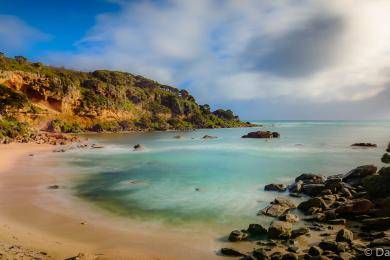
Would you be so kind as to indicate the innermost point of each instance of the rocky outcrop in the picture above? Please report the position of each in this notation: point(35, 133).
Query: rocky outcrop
point(262, 134)
point(371, 145)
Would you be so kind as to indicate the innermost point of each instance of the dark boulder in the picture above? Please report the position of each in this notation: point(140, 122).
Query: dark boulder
point(310, 178)
point(299, 232)
point(237, 235)
point(355, 177)
point(364, 145)
point(275, 187)
point(385, 158)
point(313, 189)
point(344, 235)
point(256, 229)
point(260, 254)
point(296, 187)
point(279, 230)
point(262, 134)
point(315, 251)
point(138, 147)
point(355, 207)
point(290, 256)
point(231, 252)
point(310, 203)
point(289, 218)
point(381, 223)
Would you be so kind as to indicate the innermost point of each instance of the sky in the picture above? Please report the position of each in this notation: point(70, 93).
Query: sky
point(293, 59)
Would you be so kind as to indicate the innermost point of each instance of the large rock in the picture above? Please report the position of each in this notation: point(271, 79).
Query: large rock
point(284, 201)
point(316, 202)
point(378, 185)
point(310, 178)
point(296, 187)
point(385, 158)
point(388, 148)
point(344, 235)
point(231, 252)
point(382, 223)
point(278, 207)
point(237, 235)
point(355, 207)
point(355, 177)
point(289, 218)
point(260, 254)
point(256, 229)
point(313, 189)
point(315, 251)
point(279, 230)
point(290, 256)
point(380, 242)
point(299, 232)
point(275, 187)
point(262, 134)
point(274, 210)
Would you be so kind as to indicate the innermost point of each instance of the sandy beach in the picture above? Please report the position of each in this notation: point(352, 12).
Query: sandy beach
point(52, 225)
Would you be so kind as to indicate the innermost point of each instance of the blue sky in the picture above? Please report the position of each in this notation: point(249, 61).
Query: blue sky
point(297, 59)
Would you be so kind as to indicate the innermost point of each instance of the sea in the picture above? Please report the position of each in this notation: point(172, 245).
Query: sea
point(215, 183)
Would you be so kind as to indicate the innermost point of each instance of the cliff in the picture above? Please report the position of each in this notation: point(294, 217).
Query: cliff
point(63, 100)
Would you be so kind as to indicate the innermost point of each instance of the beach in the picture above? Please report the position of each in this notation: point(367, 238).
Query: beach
point(35, 218)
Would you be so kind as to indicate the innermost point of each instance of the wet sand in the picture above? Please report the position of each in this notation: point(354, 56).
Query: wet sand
point(51, 221)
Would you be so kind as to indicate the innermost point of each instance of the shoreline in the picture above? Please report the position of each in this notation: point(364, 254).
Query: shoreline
point(30, 217)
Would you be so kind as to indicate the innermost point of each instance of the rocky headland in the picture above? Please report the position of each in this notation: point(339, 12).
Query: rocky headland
point(37, 97)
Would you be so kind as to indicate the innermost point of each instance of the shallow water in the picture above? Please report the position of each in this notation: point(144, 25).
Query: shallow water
point(218, 182)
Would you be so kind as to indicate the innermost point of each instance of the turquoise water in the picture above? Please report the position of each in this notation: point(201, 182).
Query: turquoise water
point(218, 181)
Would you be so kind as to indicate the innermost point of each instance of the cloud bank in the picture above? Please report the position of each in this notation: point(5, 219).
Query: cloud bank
point(314, 51)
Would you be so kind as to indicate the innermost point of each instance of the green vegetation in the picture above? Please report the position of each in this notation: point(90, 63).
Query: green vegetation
point(13, 129)
point(58, 125)
point(94, 95)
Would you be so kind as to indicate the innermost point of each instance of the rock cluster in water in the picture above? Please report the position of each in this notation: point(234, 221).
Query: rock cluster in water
point(343, 215)
point(363, 145)
point(262, 134)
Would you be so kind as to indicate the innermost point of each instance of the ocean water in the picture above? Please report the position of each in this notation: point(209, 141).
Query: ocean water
point(216, 182)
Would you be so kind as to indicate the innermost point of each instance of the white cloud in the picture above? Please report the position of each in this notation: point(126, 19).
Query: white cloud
point(322, 51)
point(17, 35)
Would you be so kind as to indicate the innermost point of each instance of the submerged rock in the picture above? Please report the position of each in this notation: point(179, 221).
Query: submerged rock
point(209, 137)
point(138, 147)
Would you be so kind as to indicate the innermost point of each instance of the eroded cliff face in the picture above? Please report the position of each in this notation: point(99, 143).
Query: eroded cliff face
point(47, 93)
